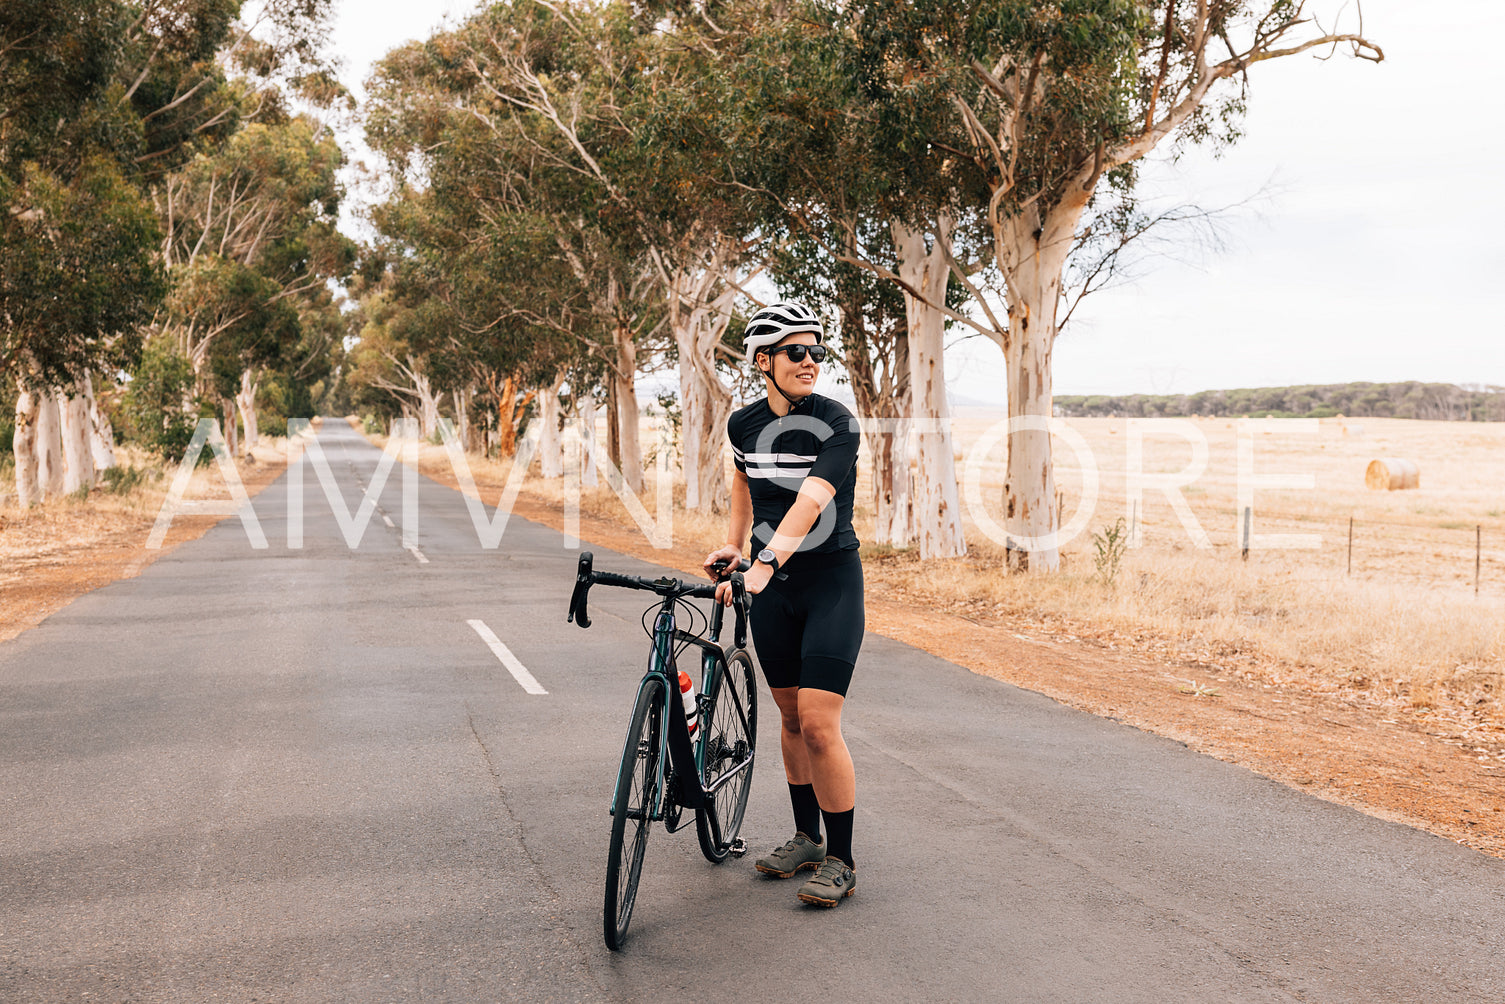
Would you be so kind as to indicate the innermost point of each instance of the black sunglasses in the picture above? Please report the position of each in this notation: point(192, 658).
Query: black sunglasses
point(798, 351)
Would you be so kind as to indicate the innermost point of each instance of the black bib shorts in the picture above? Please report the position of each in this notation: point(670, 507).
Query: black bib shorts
point(807, 626)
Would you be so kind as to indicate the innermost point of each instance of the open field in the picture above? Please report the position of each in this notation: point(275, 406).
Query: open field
point(1404, 620)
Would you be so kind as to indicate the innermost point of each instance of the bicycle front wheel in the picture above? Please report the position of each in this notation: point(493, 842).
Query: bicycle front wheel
point(632, 807)
point(729, 733)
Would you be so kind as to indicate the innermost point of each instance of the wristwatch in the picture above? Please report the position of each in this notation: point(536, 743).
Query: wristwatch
point(769, 558)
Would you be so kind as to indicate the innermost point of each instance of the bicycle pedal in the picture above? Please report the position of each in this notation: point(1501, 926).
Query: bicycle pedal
point(738, 848)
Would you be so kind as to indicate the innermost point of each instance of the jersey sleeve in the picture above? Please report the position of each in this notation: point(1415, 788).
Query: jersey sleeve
point(733, 435)
point(838, 452)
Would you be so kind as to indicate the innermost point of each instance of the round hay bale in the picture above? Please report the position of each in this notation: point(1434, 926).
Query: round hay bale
point(1391, 474)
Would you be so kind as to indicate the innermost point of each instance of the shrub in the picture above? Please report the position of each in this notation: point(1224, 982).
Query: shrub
point(124, 480)
point(1110, 545)
point(153, 406)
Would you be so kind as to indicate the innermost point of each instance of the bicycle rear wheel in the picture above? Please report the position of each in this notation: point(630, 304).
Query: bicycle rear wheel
point(637, 782)
point(729, 730)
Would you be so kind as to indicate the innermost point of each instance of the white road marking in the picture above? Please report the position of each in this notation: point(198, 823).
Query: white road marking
point(517, 669)
point(419, 555)
point(388, 520)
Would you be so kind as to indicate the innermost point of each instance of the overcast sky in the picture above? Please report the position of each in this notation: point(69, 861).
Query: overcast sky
point(1371, 249)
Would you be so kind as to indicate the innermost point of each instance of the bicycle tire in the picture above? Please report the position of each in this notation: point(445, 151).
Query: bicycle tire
point(632, 803)
point(726, 740)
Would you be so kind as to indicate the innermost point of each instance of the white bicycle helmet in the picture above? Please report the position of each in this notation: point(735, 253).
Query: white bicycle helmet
point(776, 321)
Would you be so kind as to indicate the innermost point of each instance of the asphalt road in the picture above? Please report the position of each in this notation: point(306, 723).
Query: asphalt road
point(302, 775)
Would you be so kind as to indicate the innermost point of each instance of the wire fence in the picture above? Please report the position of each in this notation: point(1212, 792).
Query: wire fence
point(1439, 551)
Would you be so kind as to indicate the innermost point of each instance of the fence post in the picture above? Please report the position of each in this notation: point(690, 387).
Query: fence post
point(1248, 524)
point(1350, 546)
point(1478, 549)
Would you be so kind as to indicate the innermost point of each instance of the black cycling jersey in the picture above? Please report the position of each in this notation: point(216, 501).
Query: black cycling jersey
point(818, 437)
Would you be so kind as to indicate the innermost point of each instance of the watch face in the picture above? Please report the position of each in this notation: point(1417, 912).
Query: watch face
point(766, 556)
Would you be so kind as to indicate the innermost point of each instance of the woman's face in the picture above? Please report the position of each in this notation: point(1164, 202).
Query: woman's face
point(797, 379)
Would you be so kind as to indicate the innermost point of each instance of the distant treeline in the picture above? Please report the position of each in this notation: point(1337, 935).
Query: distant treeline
point(1410, 399)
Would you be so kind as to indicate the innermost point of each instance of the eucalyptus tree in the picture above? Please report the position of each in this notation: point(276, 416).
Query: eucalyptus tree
point(871, 342)
point(578, 85)
point(506, 130)
point(98, 101)
point(251, 242)
point(397, 364)
point(1048, 105)
point(821, 162)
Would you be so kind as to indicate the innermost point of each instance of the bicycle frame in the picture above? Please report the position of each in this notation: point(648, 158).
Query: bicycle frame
point(674, 737)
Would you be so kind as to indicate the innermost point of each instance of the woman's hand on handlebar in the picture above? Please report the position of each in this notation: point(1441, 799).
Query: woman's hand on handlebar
point(753, 580)
point(728, 554)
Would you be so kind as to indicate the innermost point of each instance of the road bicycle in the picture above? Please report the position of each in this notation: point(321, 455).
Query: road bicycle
point(664, 771)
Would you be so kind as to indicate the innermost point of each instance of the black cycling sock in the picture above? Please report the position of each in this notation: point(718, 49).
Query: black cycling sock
point(839, 829)
point(806, 810)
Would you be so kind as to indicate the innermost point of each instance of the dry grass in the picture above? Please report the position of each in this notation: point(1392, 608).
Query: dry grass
point(1404, 627)
point(1387, 640)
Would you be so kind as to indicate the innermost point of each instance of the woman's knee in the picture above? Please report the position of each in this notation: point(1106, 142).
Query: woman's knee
point(821, 728)
point(789, 711)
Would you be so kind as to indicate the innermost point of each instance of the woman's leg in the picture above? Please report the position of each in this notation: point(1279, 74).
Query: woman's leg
point(796, 763)
point(791, 743)
point(831, 769)
point(829, 762)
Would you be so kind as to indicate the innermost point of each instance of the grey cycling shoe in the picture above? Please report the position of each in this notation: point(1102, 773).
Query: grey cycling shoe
point(799, 853)
point(832, 882)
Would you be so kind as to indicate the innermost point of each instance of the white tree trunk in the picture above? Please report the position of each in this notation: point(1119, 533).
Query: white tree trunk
point(1032, 257)
point(24, 442)
point(49, 445)
point(428, 405)
point(627, 408)
point(101, 434)
point(588, 475)
point(462, 415)
point(936, 499)
point(78, 456)
point(699, 314)
point(245, 400)
point(550, 445)
point(231, 432)
point(893, 510)
point(464, 428)
point(881, 390)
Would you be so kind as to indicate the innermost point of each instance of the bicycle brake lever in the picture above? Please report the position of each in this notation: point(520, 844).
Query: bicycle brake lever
point(739, 600)
point(578, 612)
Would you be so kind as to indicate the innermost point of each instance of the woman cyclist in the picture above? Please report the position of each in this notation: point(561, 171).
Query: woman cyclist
point(796, 458)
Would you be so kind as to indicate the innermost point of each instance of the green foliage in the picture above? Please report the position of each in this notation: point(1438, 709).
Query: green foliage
point(158, 407)
point(1108, 550)
point(123, 480)
point(79, 272)
point(99, 101)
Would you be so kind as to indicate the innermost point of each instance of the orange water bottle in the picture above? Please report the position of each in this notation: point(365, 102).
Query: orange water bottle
point(687, 694)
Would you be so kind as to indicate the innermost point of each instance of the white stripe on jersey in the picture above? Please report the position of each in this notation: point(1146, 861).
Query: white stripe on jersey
point(774, 458)
point(778, 472)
